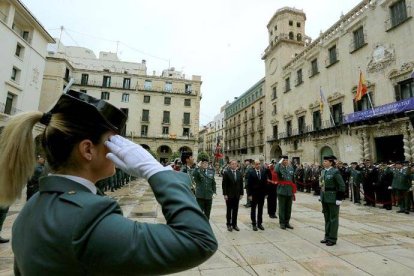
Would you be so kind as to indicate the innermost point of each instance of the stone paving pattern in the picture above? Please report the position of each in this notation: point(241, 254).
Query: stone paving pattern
point(372, 241)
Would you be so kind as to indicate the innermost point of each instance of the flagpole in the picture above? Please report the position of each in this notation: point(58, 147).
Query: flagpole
point(370, 102)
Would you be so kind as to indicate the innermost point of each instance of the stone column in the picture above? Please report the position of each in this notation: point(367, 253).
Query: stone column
point(365, 145)
point(407, 143)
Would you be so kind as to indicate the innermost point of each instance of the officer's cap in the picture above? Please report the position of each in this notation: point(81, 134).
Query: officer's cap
point(81, 107)
point(204, 159)
point(185, 155)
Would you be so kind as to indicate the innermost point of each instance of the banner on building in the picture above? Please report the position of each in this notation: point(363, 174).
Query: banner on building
point(391, 108)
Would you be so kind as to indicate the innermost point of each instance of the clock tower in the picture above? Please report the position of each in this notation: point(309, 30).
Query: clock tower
point(286, 30)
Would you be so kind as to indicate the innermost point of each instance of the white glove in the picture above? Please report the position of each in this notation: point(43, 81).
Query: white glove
point(389, 188)
point(132, 158)
point(280, 161)
point(412, 188)
point(338, 202)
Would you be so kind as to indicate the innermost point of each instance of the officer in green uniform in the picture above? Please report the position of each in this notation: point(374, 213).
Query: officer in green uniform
point(332, 193)
point(285, 190)
point(66, 228)
point(355, 182)
point(401, 183)
point(205, 186)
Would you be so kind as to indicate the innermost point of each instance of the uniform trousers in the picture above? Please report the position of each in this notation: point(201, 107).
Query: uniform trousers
point(205, 206)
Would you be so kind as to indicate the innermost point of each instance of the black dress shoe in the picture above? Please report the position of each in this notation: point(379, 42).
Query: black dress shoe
point(236, 228)
point(400, 211)
point(254, 228)
point(229, 228)
point(273, 216)
point(407, 212)
point(3, 240)
point(329, 243)
point(289, 226)
point(260, 227)
point(282, 226)
point(323, 241)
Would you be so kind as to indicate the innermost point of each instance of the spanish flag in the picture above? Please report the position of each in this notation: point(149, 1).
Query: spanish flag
point(362, 88)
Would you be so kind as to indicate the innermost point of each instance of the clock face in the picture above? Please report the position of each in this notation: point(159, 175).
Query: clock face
point(272, 66)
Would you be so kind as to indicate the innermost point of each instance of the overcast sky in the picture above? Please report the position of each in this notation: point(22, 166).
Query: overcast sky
point(221, 40)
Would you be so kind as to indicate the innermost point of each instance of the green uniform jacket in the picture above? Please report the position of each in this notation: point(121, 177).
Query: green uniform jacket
point(333, 186)
point(356, 177)
point(284, 174)
point(205, 183)
point(401, 179)
point(67, 230)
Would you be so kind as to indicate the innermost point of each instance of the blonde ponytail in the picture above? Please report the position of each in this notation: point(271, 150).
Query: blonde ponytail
point(17, 155)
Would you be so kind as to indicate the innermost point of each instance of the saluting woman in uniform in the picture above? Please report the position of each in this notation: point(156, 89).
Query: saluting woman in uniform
point(66, 228)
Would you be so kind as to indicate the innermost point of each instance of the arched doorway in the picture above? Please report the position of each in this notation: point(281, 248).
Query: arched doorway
point(275, 152)
point(164, 152)
point(145, 146)
point(325, 151)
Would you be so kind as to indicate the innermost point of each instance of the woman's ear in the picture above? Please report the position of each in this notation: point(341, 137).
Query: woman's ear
point(86, 149)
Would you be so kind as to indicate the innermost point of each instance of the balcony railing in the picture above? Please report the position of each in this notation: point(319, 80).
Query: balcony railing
point(166, 121)
point(186, 122)
point(308, 129)
point(145, 118)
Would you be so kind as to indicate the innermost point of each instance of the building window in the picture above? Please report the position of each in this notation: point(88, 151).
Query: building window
point(19, 50)
point(168, 86)
point(275, 132)
point(127, 83)
point(187, 102)
point(9, 106)
point(83, 91)
point(167, 100)
point(165, 130)
point(188, 88)
point(104, 95)
point(289, 128)
point(145, 115)
point(147, 99)
point(363, 104)
point(274, 93)
point(404, 90)
point(275, 27)
point(298, 24)
point(359, 39)
point(287, 85)
point(67, 74)
point(299, 37)
point(125, 97)
point(291, 35)
point(166, 117)
point(148, 85)
point(337, 113)
point(299, 77)
point(314, 67)
point(290, 23)
point(398, 13)
point(186, 131)
point(84, 79)
point(301, 124)
point(106, 82)
point(15, 74)
point(144, 130)
point(333, 56)
point(274, 112)
point(317, 120)
point(186, 119)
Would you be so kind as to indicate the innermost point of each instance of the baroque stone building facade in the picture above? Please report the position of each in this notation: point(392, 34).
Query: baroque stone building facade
point(310, 85)
point(163, 110)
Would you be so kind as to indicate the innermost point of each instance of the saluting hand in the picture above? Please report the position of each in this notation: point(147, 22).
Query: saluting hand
point(132, 158)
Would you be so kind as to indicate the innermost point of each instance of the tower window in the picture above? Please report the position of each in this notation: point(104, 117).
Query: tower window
point(298, 24)
point(290, 23)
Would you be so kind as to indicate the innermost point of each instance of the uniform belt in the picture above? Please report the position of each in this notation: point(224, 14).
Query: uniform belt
point(330, 190)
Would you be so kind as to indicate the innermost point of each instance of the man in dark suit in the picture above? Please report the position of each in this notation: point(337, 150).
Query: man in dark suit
point(256, 190)
point(232, 191)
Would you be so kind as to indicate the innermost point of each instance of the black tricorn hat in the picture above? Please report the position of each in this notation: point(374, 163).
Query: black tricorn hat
point(185, 155)
point(204, 159)
point(284, 157)
point(91, 109)
point(329, 158)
